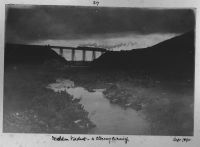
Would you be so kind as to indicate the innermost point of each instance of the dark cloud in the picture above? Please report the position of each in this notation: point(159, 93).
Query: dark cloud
point(67, 22)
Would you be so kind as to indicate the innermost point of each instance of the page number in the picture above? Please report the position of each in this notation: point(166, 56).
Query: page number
point(96, 3)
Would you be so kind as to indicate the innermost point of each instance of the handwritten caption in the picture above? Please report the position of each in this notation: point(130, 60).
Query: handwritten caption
point(177, 139)
point(98, 138)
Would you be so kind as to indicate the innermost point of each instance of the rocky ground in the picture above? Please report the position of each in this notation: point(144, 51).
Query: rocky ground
point(29, 106)
point(167, 102)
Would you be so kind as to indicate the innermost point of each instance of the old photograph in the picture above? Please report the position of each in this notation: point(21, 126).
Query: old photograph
point(99, 70)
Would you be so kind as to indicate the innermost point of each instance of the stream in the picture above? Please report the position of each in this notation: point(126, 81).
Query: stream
point(108, 118)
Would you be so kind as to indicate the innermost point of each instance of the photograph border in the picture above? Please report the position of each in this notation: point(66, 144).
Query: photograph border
point(20, 139)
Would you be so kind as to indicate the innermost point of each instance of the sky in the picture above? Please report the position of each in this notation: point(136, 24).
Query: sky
point(110, 28)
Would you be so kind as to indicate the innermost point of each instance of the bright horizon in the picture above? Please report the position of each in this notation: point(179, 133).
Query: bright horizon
point(113, 43)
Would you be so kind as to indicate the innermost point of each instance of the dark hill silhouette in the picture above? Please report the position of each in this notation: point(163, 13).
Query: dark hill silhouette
point(29, 54)
point(176, 54)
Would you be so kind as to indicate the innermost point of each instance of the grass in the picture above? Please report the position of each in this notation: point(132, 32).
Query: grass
point(31, 108)
point(166, 102)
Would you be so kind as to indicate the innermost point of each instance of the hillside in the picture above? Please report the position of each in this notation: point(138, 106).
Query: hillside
point(176, 54)
point(29, 54)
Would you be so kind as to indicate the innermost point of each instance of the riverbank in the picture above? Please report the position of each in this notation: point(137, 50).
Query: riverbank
point(29, 107)
point(166, 102)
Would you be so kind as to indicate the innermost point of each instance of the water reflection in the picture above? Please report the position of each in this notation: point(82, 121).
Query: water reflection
point(108, 118)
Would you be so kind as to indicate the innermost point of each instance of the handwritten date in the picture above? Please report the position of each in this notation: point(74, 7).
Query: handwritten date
point(176, 139)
